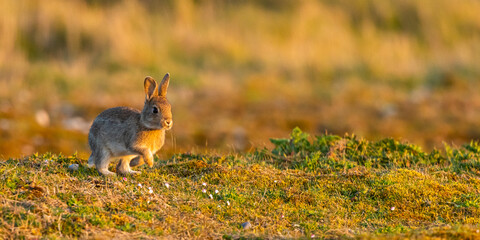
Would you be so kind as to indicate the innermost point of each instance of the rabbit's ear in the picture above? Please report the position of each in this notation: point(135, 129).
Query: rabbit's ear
point(150, 86)
point(164, 85)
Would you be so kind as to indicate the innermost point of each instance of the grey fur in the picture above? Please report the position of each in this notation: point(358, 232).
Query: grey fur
point(129, 134)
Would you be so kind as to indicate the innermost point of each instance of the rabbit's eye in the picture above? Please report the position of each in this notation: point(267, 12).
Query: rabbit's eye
point(155, 110)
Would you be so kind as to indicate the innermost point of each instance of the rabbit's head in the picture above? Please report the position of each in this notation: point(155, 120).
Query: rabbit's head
point(157, 112)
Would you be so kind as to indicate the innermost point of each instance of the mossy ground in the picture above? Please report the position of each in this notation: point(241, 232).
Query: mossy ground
point(323, 187)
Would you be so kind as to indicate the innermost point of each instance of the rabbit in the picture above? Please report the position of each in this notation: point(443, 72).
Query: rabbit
point(131, 135)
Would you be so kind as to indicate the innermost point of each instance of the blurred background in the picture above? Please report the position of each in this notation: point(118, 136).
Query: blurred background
point(242, 71)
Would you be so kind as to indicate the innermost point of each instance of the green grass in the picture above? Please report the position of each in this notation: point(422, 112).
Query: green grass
point(322, 187)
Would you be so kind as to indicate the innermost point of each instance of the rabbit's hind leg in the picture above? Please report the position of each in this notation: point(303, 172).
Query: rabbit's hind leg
point(123, 166)
point(91, 160)
point(95, 157)
point(102, 162)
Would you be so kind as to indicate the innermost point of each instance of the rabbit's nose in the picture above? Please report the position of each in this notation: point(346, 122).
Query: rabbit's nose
point(168, 122)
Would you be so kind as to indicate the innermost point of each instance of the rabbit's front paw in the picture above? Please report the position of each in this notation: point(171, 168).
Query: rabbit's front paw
point(148, 159)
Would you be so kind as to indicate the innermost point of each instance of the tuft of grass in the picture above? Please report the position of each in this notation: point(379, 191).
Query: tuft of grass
point(322, 187)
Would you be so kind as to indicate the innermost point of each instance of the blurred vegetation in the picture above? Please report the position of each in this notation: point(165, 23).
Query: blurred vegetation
point(242, 71)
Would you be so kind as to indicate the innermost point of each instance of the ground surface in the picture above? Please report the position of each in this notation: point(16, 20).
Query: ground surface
point(307, 187)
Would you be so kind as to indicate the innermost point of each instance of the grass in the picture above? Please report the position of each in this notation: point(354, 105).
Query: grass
point(322, 187)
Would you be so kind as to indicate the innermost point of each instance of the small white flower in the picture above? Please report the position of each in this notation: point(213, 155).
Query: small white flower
point(204, 190)
point(139, 185)
point(210, 195)
point(167, 185)
point(216, 191)
point(283, 216)
point(148, 201)
point(275, 181)
point(313, 236)
point(150, 191)
point(228, 204)
point(392, 208)
point(204, 184)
